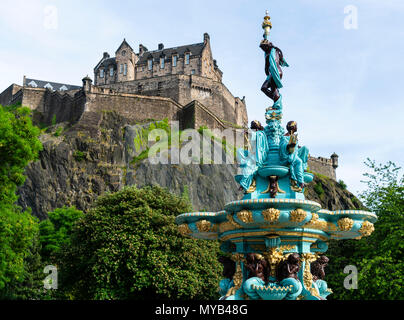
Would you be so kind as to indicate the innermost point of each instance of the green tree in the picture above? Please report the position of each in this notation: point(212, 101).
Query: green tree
point(19, 144)
point(378, 257)
point(19, 248)
point(56, 230)
point(128, 247)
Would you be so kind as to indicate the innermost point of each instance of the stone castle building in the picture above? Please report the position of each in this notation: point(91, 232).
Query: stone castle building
point(183, 83)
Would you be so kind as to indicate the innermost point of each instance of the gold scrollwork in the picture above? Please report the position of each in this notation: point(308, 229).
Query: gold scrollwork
point(237, 280)
point(271, 214)
point(203, 226)
point(276, 255)
point(228, 225)
point(237, 257)
point(314, 223)
point(345, 224)
point(307, 276)
point(298, 215)
point(238, 276)
point(366, 229)
point(184, 229)
point(245, 216)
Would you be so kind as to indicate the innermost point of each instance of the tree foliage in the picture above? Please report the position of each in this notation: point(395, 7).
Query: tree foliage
point(19, 255)
point(19, 144)
point(378, 257)
point(128, 247)
point(56, 230)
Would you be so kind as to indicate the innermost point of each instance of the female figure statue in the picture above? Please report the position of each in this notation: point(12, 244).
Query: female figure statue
point(252, 158)
point(296, 159)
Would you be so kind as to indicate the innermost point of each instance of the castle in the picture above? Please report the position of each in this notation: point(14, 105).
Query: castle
point(183, 83)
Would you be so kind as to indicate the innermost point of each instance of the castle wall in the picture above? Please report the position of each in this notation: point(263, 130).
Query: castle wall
point(34, 98)
point(62, 107)
point(323, 166)
point(196, 115)
point(143, 72)
point(185, 89)
point(133, 107)
point(6, 96)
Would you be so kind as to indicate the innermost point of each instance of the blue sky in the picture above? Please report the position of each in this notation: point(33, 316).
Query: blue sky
point(345, 88)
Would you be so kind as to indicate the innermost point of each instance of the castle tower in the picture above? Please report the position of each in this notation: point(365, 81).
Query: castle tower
point(334, 158)
point(87, 84)
point(126, 60)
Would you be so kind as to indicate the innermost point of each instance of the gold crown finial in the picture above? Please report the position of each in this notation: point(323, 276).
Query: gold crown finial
point(266, 25)
point(266, 22)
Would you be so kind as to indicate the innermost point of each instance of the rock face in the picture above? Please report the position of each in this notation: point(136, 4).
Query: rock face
point(79, 164)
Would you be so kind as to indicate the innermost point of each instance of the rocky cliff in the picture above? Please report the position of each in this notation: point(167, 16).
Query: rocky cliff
point(78, 164)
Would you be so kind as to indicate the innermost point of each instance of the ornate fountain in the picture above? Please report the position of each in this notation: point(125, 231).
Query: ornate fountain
point(275, 238)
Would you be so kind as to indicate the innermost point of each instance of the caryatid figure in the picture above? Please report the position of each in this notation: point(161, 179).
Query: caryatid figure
point(253, 158)
point(296, 158)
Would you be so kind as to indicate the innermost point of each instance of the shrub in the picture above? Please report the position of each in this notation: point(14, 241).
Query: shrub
point(128, 247)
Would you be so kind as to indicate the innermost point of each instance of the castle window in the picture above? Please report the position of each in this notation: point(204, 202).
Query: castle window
point(121, 68)
point(33, 84)
point(174, 61)
point(193, 71)
point(102, 73)
point(48, 86)
point(162, 62)
point(139, 88)
point(111, 72)
point(150, 64)
point(187, 58)
point(125, 69)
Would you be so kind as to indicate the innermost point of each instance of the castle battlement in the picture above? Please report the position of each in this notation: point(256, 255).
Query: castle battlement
point(324, 166)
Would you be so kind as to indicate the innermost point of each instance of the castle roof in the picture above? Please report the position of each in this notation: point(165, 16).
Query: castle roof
point(108, 62)
point(194, 49)
point(49, 85)
point(124, 43)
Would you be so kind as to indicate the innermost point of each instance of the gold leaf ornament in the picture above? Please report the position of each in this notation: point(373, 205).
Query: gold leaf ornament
point(203, 226)
point(245, 216)
point(366, 229)
point(184, 229)
point(298, 215)
point(345, 224)
point(271, 214)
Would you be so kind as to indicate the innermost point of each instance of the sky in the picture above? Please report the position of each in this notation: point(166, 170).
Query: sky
point(344, 86)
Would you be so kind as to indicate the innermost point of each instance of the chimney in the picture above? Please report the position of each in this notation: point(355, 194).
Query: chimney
point(161, 46)
point(206, 38)
point(142, 49)
point(106, 55)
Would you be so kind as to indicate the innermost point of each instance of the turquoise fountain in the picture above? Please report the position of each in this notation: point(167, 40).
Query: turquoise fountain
point(274, 237)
